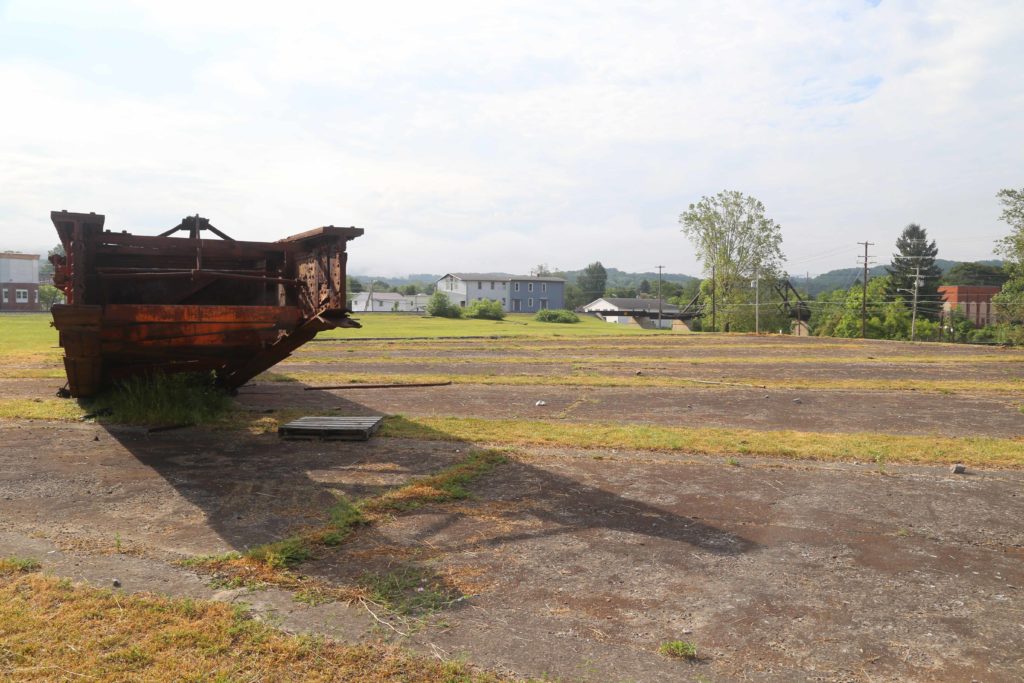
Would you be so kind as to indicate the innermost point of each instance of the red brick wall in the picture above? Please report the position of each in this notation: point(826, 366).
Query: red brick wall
point(9, 291)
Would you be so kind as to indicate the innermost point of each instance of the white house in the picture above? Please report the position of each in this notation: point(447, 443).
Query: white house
point(462, 289)
point(632, 311)
point(388, 302)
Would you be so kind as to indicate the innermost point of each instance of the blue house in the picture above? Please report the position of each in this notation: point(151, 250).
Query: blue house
point(515, 293)
point(529, 293)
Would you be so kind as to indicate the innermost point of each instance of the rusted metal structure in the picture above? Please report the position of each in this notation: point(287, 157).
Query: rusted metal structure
point(145, 304)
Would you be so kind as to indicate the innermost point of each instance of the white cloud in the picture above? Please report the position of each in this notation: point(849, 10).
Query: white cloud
point(494, 136)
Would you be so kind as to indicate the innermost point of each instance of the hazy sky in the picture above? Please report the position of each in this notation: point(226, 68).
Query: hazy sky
point(496, 135)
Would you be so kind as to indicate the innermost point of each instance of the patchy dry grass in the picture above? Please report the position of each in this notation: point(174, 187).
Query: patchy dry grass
point(861, 446)
point(448, 484)
point(14, 565)
point(271, 563)
point(53, 630)
point(56, 409)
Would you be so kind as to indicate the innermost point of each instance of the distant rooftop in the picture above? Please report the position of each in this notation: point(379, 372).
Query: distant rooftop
point(504, 277)
point(636, 304)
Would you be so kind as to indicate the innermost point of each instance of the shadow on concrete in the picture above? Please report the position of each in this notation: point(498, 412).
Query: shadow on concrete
point(257, 488)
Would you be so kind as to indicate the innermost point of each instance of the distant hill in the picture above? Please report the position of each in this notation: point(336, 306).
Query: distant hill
point(620, 278)
point(616, 278)
point(844, 278)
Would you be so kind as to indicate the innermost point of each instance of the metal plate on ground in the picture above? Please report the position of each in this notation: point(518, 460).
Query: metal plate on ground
point(331, 427)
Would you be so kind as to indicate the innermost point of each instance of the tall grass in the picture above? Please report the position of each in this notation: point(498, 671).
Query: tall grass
point(185, 398)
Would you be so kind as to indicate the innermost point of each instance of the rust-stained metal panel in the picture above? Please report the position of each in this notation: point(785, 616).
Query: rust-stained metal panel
point(142, 304)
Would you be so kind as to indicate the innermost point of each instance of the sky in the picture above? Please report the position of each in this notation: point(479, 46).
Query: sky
point(497, 136)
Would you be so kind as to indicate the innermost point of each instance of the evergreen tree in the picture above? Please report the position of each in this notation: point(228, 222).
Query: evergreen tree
point(915, 256)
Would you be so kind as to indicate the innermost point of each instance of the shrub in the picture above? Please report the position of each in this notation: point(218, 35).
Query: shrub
point(486, 310)
point(556, 316)
point(440, 306)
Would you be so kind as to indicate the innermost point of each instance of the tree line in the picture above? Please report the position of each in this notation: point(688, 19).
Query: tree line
point(740, 249)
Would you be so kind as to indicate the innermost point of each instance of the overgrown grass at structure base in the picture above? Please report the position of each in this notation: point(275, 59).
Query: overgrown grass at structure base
point(52, 630)
point(183, 398)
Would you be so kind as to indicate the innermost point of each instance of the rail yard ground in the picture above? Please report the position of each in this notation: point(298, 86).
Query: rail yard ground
point(784, 504)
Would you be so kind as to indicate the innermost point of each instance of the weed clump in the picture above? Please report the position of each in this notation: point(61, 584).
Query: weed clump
point(679, 649)
point(184, 398)
point(410, 591)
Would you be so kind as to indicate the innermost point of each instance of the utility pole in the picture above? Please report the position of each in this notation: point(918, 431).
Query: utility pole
point(714, 288)
point(864, 295)
point(913, 315)
point(757, 300)
point(659, 296)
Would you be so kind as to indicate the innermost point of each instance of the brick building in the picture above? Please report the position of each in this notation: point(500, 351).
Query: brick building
point(973, 301)
point(19, 281)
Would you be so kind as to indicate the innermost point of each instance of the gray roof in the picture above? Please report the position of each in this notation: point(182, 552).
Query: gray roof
point(536, 278)
point(481, 276)
point(505, 277)
point(637, 304)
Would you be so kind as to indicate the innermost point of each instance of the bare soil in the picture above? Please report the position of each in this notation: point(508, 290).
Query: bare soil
point(577, 564)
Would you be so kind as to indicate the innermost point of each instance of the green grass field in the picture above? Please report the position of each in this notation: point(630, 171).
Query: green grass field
point(404, 325)
point(27, 337)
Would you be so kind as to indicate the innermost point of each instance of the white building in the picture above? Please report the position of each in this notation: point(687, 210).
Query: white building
point(19, 281)
point(388, 302)
point(462, 289)
point(642, 312)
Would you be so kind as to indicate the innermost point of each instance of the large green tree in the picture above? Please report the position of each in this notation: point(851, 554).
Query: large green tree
point(1011, 247)
point(975, 274)
point(592, 281)
point(838, 314)
point(915, 258)
point(1009, 303)
point(736, 243)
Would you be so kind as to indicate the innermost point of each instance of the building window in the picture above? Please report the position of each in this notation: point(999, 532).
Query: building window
point(529, 302)
point(517, 286)
point(492, 284)
point(37, 296)
point(21, 296)
point(480, 284)
point(502, 301)
point(5, 297)
point(529, 286)
point(544, 287)
point(543, 304)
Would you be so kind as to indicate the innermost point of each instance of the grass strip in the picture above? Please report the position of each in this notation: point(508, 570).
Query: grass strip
point(448, 484)
point(588, 379)
point(51, 630)
point(860, 446)
point(270, 563)
point(491, 358)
